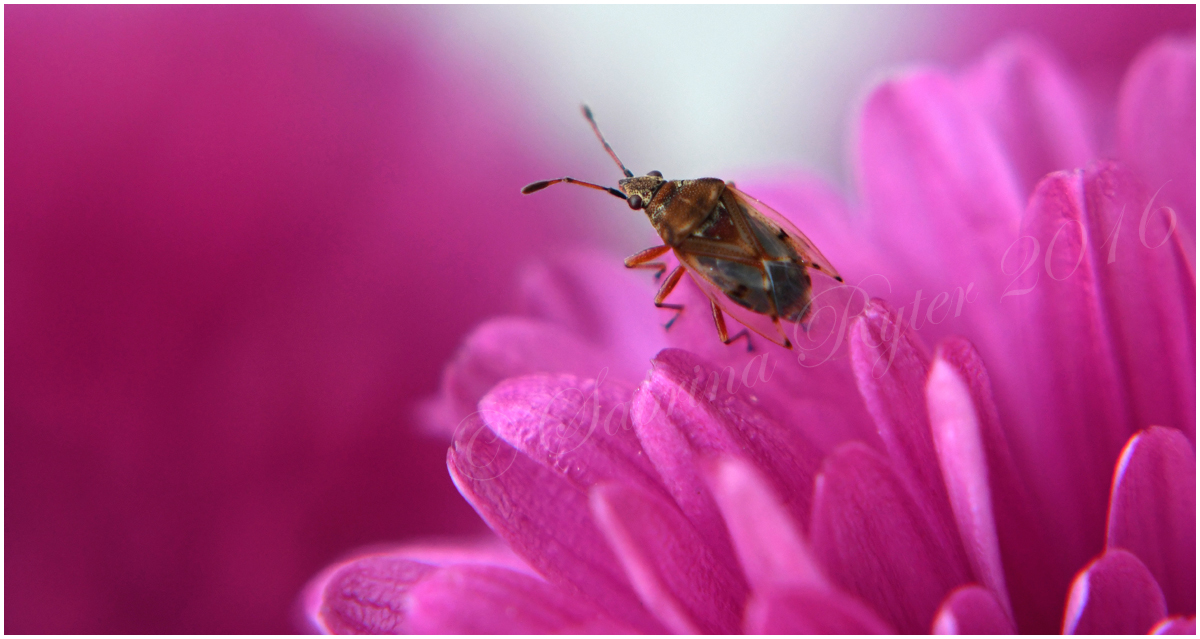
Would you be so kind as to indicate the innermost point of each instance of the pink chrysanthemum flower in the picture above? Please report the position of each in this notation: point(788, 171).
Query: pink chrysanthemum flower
point(1036, 478)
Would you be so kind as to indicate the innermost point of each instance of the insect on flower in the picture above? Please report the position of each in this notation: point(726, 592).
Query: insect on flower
point(736, 248)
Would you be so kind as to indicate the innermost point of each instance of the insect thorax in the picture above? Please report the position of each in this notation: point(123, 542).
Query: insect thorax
point(680, 207)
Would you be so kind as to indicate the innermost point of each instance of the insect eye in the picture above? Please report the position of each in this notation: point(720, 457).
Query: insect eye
point(635, 202)
point(655, 173)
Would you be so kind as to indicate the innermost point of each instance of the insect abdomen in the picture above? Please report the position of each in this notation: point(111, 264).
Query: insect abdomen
point(742, 283)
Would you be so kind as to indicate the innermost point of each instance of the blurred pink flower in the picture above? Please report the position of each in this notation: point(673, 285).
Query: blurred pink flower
point(878, 489)
point(240, 242)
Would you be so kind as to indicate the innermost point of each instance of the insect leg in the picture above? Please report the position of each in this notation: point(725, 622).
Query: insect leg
point(787, 343)
point(665, 290)
point(641, 259)
point(724, 334)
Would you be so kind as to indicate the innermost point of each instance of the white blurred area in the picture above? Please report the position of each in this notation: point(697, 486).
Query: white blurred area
point(691, 91)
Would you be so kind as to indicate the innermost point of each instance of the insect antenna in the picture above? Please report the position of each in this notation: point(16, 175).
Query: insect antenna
point(587, 113)
point(537, 186)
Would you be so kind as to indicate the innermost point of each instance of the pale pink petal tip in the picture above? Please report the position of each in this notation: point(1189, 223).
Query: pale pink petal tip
point(1177, 625)
point(391, 594)
point(1114, 594)
point(471, 599)
point(312, 599)
point(769, 545)
point(368, 596)
point(677, 576)
point(972, 610)
point(487, 550)
point(810, 611)
point(957, 433)
point(1153, 511)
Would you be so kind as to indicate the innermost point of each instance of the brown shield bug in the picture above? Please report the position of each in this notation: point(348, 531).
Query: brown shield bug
point(749, 260)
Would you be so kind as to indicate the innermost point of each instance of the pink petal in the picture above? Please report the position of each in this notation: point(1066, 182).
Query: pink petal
point(874, 540)
point(670, 566)
point(810, 611)
point(483, 551)
point(502, 348)
point(473, 599)
point(1156, 125)
point(1153, 511)
point(972, 610)
point(685, 411)
point(1031, 106)
point(369, 596)
point(1036, 580)
point(891, 364)
point(578, 428)
point(961, 452)
point(1149, 297)
point(932, 172)
point(809, 390)
point(1070, 415)
point(1114, 594)
point(768, 542)
point(1177, 625)
point(806, 389)
point(544, 518)
point(393, 593)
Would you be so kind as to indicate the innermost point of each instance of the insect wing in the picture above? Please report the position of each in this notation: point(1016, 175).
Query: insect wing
point(757, 322)
point(798, 240)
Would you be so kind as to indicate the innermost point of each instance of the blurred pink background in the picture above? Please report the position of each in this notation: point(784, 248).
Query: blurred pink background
point(240, 243)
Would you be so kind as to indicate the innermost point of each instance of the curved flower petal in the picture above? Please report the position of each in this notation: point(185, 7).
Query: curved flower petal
point(769, 545)
point(891, 365)
point(1073, 416)
point(545, 518)
point(489, 551)
point(471, 599)
point(502, 348)
point(1148, 295)
point(1036, 581)
point(805, 389)
point(687, 410)
point(1027, 100)
point(369, 596)
point(398, 593)
point(961, 452)
point(675, 572)
point(1177, 625)
point(1156, 125)
point(873, 539)
point(578, 428)
point(810, 611)
point(931, 173)
point(1115, 594)
point(972, 610)
point(1152, 512)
